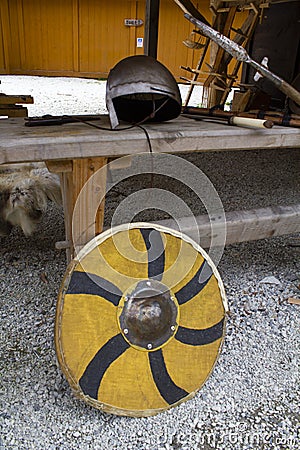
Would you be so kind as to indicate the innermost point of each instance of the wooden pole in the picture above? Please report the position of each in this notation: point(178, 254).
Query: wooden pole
point(287, 121)
point(151, 28)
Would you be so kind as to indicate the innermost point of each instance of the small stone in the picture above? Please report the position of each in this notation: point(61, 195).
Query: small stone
point(270, 280)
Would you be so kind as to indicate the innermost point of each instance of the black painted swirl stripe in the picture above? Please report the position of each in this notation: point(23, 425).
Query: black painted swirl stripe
point(92, 377)
point(195, 285)
point(191, 336)
point(89, 283)
point(170, 392)
point(156, 252)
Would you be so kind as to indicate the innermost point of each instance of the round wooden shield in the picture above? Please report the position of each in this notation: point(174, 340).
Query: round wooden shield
point(140, 320)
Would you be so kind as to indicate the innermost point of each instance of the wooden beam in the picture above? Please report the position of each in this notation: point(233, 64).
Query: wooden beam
point(13, 111)
point(13, 99)
point(61, 166)
point(242, 226)
point(151, 28)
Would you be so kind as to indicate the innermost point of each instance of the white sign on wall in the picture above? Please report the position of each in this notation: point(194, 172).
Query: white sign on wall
point(139, 42)
point(133, 22)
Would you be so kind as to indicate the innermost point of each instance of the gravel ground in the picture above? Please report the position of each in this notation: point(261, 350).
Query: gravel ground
point(251, 400)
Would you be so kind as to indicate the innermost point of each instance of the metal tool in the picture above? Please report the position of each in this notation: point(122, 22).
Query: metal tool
point(48, 119)
point(239, 53)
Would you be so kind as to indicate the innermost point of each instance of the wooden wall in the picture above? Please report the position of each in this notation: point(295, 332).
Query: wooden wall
point(86, 38)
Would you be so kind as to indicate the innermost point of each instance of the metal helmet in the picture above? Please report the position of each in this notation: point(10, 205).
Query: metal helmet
point(139, 88)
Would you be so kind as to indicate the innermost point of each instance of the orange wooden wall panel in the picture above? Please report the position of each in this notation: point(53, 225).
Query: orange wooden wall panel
point(14, 34)
point(88, 37)
point(4, 37)
point(3, 66)
point(103, 37)
point(173, 29)
point(47, 35)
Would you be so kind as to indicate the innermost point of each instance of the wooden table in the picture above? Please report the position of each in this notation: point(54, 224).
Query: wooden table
point(77, 151)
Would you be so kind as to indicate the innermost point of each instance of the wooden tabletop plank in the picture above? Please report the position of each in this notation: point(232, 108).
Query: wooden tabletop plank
point(71, 141)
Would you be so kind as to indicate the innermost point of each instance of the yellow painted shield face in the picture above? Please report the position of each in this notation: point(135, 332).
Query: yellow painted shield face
point(140, 320)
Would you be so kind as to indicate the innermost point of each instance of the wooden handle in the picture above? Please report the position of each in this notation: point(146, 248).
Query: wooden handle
point(188, 8)
point(290, 91)
point(250, 123)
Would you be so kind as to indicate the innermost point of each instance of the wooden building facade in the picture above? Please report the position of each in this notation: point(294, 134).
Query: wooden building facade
point(86, 38)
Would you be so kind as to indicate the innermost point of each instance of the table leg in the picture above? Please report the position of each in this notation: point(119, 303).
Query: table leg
point(83, 183)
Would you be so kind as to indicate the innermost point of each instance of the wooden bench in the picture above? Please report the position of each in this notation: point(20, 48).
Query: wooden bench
point(77, 151)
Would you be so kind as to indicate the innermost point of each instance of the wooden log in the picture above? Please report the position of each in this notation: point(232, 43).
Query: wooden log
point(14, 99)
point(242, 226)
point(13, 111)
point(281, 114)
point(284, 121)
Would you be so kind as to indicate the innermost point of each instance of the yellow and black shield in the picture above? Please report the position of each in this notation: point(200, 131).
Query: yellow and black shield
point(140, 320)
